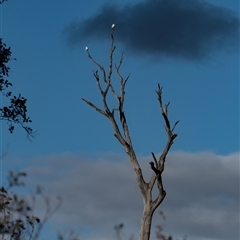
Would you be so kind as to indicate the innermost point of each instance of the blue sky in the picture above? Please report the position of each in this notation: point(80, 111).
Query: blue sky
point(198, 68)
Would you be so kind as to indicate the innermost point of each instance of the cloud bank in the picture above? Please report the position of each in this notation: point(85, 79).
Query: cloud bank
point(186, 29)
point(202, 194)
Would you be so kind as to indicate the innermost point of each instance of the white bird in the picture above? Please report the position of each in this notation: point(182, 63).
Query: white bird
point(86, 48)
point(113, 26)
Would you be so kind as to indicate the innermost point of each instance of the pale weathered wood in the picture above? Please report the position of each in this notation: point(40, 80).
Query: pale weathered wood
point(121, 132)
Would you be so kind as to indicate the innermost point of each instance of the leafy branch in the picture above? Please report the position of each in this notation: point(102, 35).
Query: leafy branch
point(16, 111)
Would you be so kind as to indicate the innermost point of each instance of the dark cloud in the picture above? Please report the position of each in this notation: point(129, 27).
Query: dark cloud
point(190, 29)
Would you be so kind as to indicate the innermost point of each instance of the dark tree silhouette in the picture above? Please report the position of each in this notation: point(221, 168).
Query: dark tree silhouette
point(16, 111)
point(17, 218)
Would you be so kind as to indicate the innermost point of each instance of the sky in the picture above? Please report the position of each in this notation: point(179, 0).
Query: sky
point(189, 47)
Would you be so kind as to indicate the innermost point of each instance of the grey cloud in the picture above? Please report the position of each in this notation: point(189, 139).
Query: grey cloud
point(202, 193)
point(189, 29)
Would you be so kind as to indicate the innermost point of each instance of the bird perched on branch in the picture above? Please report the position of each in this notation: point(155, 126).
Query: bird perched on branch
point(113, 26)
point(154, 168)
point(86, 48)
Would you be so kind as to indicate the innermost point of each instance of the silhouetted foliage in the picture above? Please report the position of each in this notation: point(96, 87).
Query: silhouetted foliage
point(16, 217)
point(118, 229)
point(16, 111)
point(159, 233)
point(17, 220)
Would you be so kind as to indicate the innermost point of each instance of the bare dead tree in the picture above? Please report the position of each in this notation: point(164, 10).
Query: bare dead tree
point(121, 132)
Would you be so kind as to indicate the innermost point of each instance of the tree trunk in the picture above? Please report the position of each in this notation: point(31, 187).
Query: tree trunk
point(146, 223)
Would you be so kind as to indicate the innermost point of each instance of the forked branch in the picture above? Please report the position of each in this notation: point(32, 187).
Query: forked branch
point(122, 136)
point(161, 161)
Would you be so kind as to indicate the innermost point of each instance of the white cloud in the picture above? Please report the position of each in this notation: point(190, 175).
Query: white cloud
point(202, 194)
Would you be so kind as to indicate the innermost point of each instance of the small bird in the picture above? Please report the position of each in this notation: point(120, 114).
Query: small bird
point(154, 169)
point(86, 48)
point(113, 26)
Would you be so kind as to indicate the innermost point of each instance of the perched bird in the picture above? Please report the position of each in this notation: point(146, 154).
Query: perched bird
point(154, 169)
point(113, 26)
point(86, 48)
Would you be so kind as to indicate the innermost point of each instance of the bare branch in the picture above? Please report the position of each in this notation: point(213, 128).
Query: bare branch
point(175, 125)
point(94, 106)
point(163, 110)
point(95, 74)
point(158, 176)
point(155, 160)
point(162, 158)
point(117, 68)
point(125, 140)
point(112, 49)
point(98, 64)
